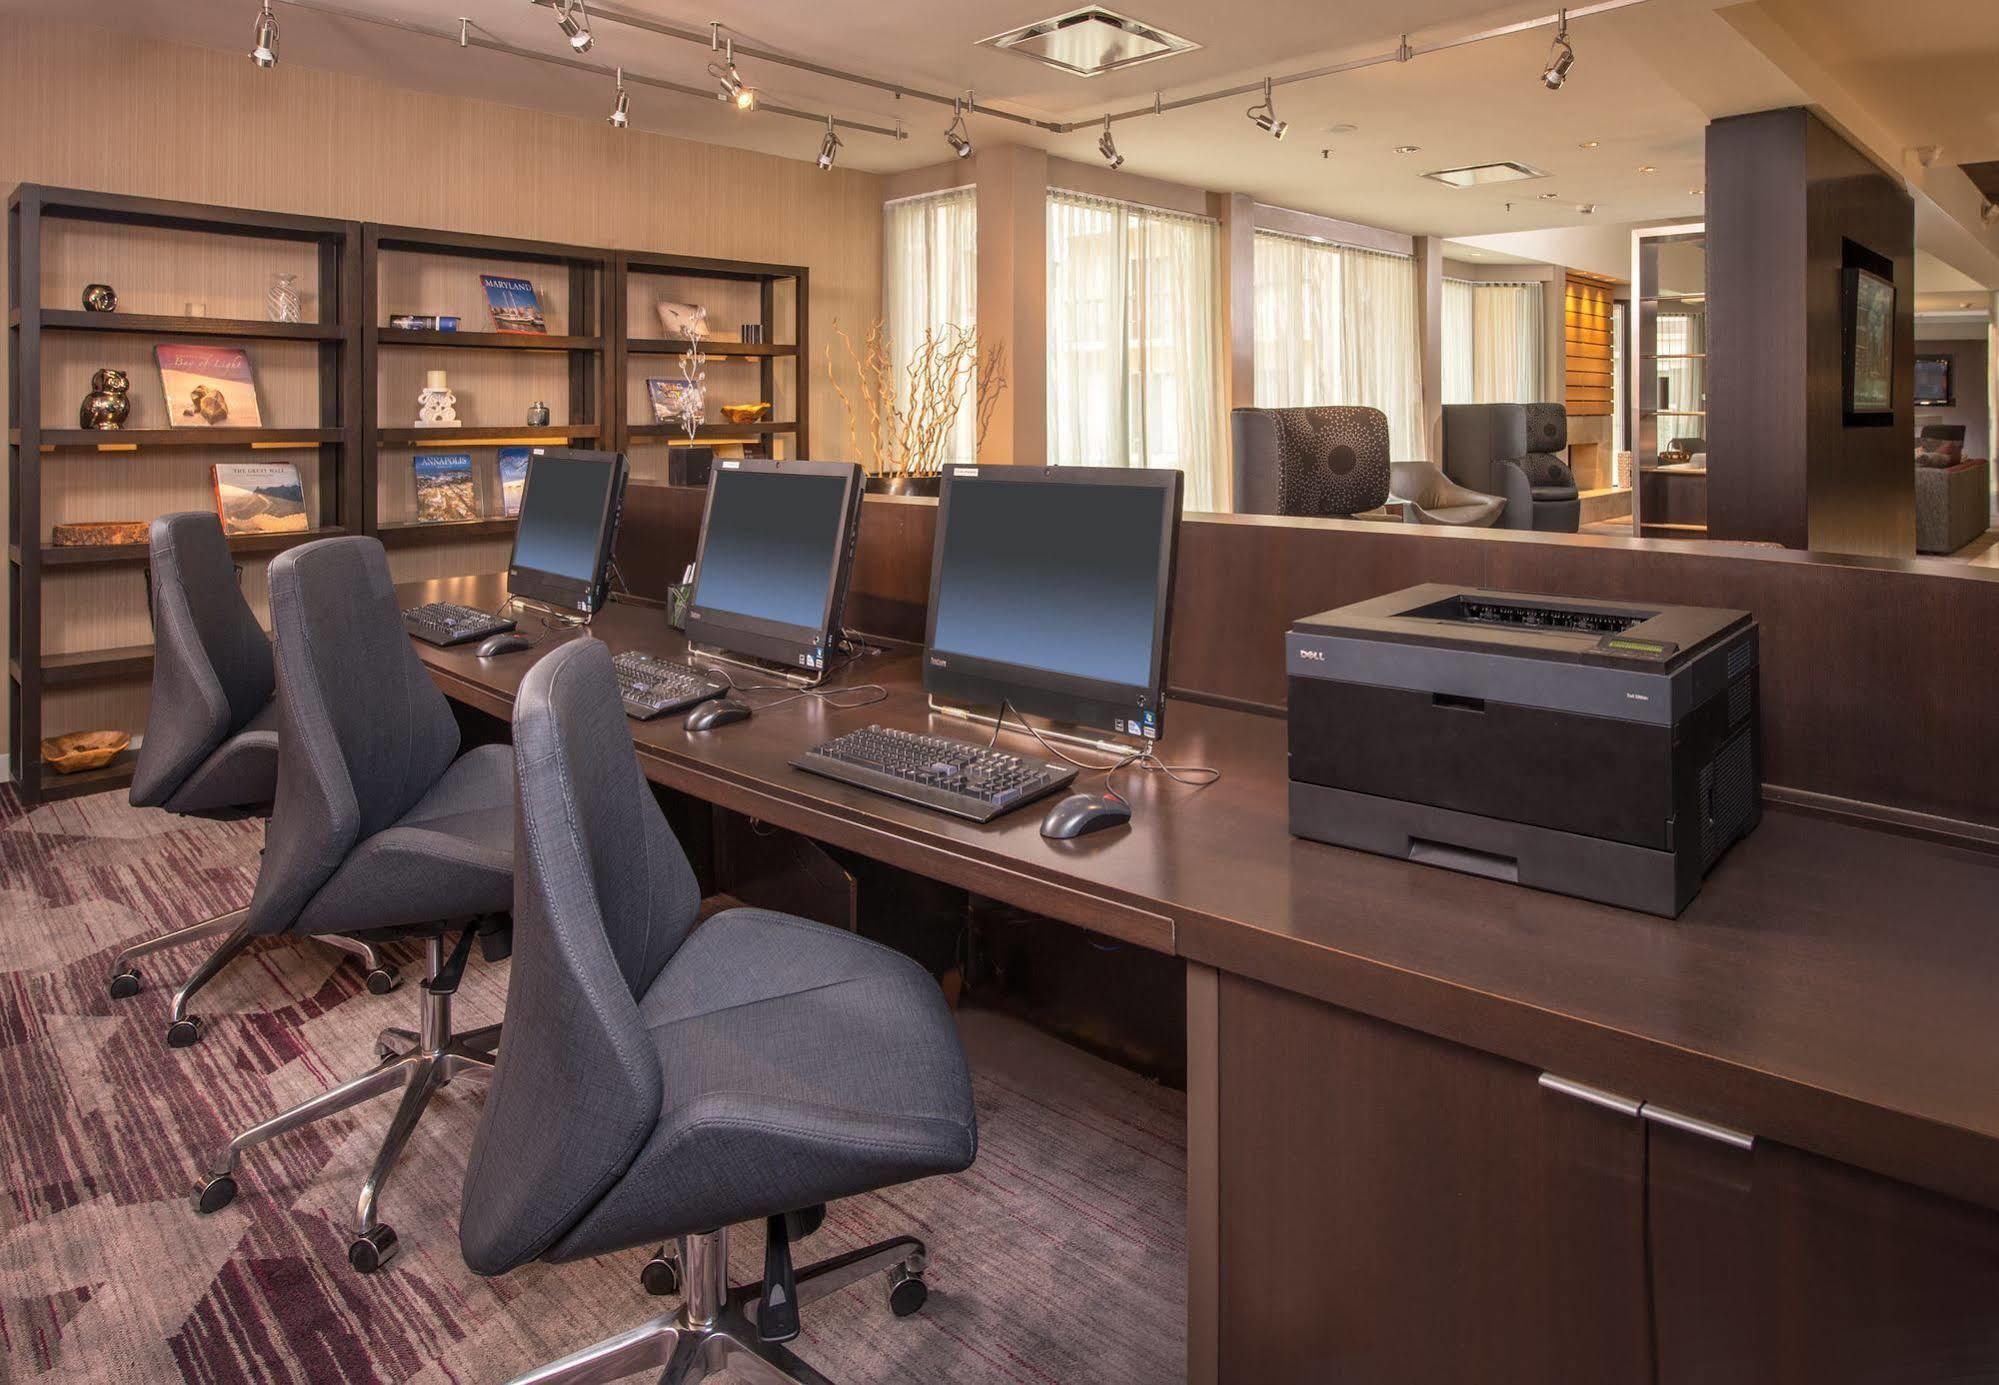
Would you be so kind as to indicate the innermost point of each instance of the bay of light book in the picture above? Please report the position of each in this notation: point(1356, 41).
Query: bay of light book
point(513, 304)
point(208, 386)
point(444, 487)
point(513, 479)
point(259, 497)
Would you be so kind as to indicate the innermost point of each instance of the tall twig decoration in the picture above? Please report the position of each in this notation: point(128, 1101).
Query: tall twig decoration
point(910, 415)
point(691, 400)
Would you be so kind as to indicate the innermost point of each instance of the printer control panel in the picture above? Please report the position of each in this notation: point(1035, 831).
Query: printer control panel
point(1637, 648)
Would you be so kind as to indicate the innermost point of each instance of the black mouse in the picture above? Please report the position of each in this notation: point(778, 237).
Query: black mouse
point(506, 642)
point(721, 712)
point(1080, 814)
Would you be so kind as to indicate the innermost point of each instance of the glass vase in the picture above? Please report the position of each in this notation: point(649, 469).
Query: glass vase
point(283, 299)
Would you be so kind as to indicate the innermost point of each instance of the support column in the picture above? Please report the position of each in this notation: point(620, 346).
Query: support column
point(1012, 295)
point(1429, 253)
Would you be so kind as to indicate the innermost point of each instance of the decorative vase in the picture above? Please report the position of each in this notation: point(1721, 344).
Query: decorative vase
point(100, 298)
point(904, 485)
point(537, 415)
point(108, 403)
point(283, 299)
point(436, 405)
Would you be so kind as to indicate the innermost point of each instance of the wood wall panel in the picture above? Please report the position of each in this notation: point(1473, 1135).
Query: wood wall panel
point(1588, 308)
point(83, 102)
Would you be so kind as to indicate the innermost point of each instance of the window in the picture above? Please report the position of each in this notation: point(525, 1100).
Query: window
point(1337, 325)
point(1492, 343)
point(1134, 364)
point(930, 275)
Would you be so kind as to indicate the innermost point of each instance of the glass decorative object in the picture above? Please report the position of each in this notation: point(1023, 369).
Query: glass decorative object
point(100, 298)
point(284, 302)
point(109, 402)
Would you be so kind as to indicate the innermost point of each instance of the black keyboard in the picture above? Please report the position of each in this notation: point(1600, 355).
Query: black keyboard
point(653, 687)
point(970, 781)
point(446, 622)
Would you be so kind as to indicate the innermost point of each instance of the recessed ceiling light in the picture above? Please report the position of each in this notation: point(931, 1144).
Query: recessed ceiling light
point(1647, 168)
point(1588, 144)
point(1090, 41)
point(1408, 148)
point(1697, 192)
point(1586, 208)
point(1549, 196)
point(1345, 127)
point(1479, 175)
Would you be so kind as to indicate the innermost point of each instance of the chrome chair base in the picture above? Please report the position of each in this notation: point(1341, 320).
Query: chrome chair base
point(184, 1029)
point(433, 1057)
point(716, 1329)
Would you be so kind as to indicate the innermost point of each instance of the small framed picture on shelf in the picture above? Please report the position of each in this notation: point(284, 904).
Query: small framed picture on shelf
point(259, 498)
point(513, 479)
point(514, 305)
point(444, 487)
point(208, 386)
point(668, 399)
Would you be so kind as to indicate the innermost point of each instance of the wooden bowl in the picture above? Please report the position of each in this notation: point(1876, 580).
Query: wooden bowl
point(746, 413)
point(81, 750)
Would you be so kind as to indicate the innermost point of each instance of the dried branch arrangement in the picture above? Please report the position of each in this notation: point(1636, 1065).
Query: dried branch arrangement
point(909, 415)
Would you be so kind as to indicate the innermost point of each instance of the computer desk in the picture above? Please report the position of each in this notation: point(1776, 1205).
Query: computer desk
point(1435, 1119)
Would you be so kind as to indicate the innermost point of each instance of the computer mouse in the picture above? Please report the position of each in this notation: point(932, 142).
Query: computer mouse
point(506, 642)
point(720, 712)
point(1080, 814)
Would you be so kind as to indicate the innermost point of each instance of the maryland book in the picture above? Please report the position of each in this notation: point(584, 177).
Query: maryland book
point(444, 488)
point(513, 479)
point(259, 498)
point(513, 303)
point(208, 386)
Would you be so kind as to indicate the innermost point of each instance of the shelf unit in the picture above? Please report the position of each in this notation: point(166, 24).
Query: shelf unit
point(1668, 503)
point(327, 253)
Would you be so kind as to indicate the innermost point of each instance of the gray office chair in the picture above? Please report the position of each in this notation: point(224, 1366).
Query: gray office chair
point(1508, 450)
point(1430, 497)
point(377, 832)
point(1326, 461)
point(664, 1083)
point(211, 743)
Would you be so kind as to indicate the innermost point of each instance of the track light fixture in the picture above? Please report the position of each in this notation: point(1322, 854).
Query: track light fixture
point(1108, 147)
point(1988, 214)
point(567, 12)
point(1263, 115)
point(829, 148)
point(621, 113)
point(1561, 57)
point(265, 54)
point(955, 134)
point(729, 83)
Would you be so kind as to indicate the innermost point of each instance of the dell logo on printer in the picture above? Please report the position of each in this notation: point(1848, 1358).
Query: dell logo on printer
point(1317, 656)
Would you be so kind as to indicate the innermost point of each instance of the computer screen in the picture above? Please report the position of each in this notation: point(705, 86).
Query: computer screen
point(567, 525)
point(1050, 589)
point(776, 541)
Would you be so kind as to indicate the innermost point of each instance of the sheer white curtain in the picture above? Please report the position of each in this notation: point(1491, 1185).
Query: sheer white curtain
point(1493, 343)
point(1134, 364)
point(930, 276)
point(1337, 325)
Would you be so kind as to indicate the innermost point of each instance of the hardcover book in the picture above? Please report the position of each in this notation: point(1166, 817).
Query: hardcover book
point(513, 479)
point(444, 489)
point(208, 386)
point(513, 303)
point(667, 398)
point(259, 498)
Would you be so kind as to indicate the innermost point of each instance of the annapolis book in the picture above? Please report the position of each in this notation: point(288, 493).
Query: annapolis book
point(259, 497)
point(513, 303)
point(513, 479)
point(208, 386)
point(444, 488)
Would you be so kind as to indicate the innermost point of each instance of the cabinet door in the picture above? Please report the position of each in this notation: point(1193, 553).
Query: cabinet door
point(1395, 1208)
point(1776, 1267)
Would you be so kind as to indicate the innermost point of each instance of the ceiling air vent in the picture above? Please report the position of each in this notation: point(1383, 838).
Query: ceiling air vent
point(1090, 41)
point(1481, 175)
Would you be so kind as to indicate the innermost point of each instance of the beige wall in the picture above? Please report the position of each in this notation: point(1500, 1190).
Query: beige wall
point(85, 107)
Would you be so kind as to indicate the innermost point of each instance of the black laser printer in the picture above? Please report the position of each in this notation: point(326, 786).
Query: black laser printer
point(1594, 748)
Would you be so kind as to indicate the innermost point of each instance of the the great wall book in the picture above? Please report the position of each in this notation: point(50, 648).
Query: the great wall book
point(259, 497)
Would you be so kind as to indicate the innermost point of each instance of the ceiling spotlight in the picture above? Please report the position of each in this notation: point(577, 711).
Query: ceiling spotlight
point(829, 148)
point(1561, 57)
point(621, 114)
point(956, 135)
point(729, 83)
point(265, 54)
point(1697, 192)
point(566, 14)
point(1589, 144)
point(1263, 115)
point(1647, 168)
point(1989, 214)
point(1108, 147)
point(1408, 148)
point(1549, 196)
point(1586, 208)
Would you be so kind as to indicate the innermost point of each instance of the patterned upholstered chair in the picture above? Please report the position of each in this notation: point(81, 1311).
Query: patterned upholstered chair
point(1325, 461)
point(1509, 450)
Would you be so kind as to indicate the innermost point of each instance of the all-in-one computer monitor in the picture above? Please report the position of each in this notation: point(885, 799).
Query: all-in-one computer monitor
point(1051, 590)
point(777, 542)
point(568, 527)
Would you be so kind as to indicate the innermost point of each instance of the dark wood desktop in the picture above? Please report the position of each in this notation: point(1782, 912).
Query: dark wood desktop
point(1380, 1186)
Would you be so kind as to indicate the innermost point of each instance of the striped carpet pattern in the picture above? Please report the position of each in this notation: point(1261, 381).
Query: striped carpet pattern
point(1059, 1256)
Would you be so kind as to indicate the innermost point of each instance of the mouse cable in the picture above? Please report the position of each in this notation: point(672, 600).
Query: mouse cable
point(872, 693)
point(1191, 776)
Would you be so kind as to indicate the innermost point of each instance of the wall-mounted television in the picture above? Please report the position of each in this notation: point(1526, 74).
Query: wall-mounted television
point(1933, 382)
point(1869, 323)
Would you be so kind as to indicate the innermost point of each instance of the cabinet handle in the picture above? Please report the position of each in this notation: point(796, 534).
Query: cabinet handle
point(1595, 1096)
point(1693, 1125)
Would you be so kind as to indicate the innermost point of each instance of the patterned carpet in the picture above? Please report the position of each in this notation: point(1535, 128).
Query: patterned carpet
point(1057, 1257)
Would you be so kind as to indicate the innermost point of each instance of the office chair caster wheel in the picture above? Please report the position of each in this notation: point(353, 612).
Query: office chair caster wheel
point(216, 1194)
point(383, 979)
point(372, 1249)
point(661, 1275)
point(906, 1290)
point(183, 1033)
point(126, 984)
